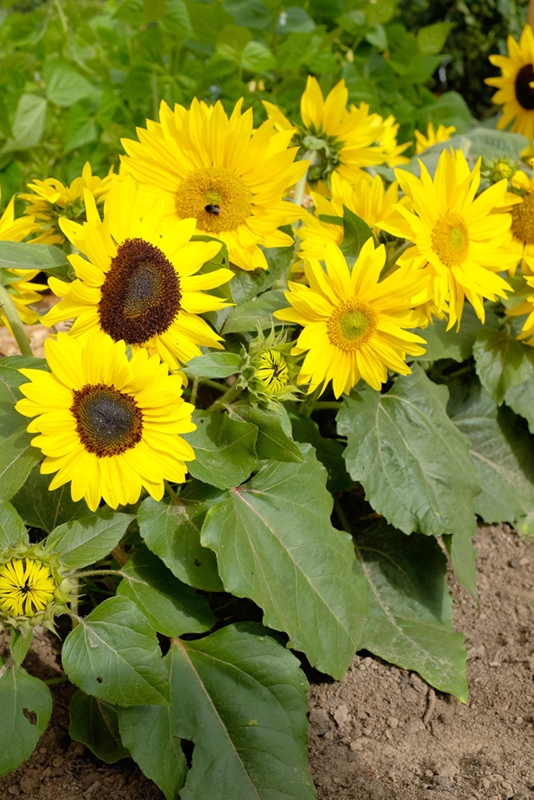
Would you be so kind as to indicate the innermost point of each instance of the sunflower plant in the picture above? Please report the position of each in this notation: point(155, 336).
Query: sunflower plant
point(285, 366)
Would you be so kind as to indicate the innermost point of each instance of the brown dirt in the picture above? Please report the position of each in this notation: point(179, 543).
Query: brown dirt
point(380, 733)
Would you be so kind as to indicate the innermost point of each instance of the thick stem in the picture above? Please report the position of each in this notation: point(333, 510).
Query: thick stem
point(14, 321)
point(233, 392)
point(324, 405)
point(214, 385)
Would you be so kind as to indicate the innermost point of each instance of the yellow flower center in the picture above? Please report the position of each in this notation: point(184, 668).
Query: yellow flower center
point(352, 323)
point(108, 421)
point(523, 219)
point(218, 199)
point(273, 372)
point(450, 239)
point(26, 587)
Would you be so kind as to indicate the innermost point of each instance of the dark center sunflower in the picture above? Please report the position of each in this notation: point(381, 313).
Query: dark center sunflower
point(108, 422)
point(523, 219)
point(141, 295)
point(524, 90)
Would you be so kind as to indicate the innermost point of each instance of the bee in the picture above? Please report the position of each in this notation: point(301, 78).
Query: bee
point(212, 208)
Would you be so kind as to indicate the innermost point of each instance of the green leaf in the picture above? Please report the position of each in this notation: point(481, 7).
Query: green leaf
point(149, 733)
point(95, 724)
point(241, 699)
point(519, 398)
point(463, 556)
point(28, 124)
point(17, 457)
point(65, 86)
point(256, 57)
point(410, 615)
point(273, 442)
point(113, 654)
point(84, 541)
point(214, 365)
point(232, 41)
point(256, 313)
point(21, 255)
point(19, 644)
point(294, 20)
point(247, 285)
point(356, 233)
point(171, 530)
point(80, 128)
point(250, 13)
point(275, 544)
point(176, 22)
point(11, 421)
point(26, 705)
point(501, 361)
point(502, 453)
point(12, 528)
point(431, 39)
point(410, 458)
point(207, 21)
point(171, 607)
point(224, 449)
point(443, 343)
point(328, 451)
point(41, 508)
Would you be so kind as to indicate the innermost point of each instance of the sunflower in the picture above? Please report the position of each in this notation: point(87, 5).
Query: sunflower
point(388, 141)
point(138, 285)
point(366, 197)
point(22, 290)
point(339, 138)
point(456, 235)
point(353, 325)
point(50, 200)
point(442, 134)
point(221, 172)
point(107, 424)
point(520, 203)
point(526, 307)
point(516, 84)
point(26, 587)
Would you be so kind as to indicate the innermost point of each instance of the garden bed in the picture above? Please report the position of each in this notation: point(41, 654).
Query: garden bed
point(381, 732)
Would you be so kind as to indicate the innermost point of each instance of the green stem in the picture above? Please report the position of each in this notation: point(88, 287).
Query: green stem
point(392, 257)
point(170, 490)
point(14, 321)
point(233, 392)
point(55, 681)
point(92, 572)
point(213, 385)
point(309, 404)
point(324, 405)
point(194, 390)
point(345, 524)
point(301, 185)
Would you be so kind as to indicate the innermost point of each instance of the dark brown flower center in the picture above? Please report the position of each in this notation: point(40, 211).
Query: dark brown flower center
point(140, 295)
point(523, 89)
point(108, 422)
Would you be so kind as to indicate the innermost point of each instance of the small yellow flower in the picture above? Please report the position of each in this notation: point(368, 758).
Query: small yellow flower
point(273, 372)
point(442, 134)
point(26, 587)
point(50, 200)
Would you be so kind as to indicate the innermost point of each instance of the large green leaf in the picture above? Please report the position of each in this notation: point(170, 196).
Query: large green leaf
point(328, 451)
point(94, 723)
point(17, 457)
point(241, 699)
point(84, 541)
point(21, 255)
point(501, 361)
point(274, 431)
point(410, 458)
point(171, 529)
point(41, 508)
point(65, 86)
point(171, 607)
point(26, 705)
point(502, 453)
point(410, 614)
point(114, 654)
point(28, 124)
point(214, 365)
point(256, 313)
point(12, 528)
point(275, 544)
point(519, 398)
point(443, 343)
point(224, 449)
